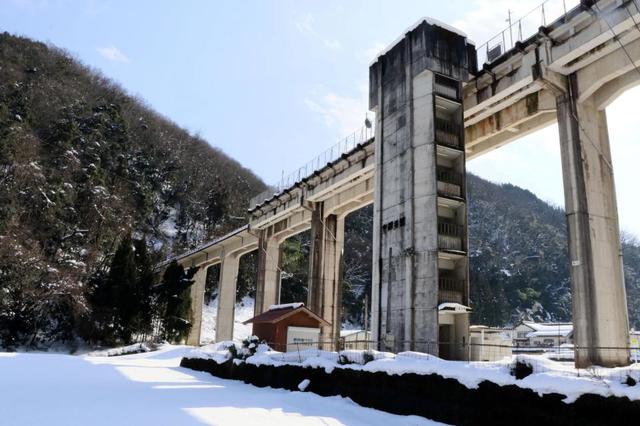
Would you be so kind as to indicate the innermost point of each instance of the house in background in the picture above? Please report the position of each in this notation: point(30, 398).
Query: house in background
point(540, 335)
point(288, 327)
point(489, 343)
point(355, 339)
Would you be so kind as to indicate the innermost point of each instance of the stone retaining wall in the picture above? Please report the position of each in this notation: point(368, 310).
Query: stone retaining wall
point(433, 396)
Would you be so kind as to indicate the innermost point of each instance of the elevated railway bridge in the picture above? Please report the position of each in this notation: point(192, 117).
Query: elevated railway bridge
point(436, 109)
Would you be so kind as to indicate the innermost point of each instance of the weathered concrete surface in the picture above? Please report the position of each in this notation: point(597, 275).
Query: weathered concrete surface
point(406, 209)
point(197, 299)
point(268, 282)
point(598, 294)
point(227, 297)
point(325, 273)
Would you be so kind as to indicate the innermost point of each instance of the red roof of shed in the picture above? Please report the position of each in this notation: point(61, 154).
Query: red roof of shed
point(276, 315)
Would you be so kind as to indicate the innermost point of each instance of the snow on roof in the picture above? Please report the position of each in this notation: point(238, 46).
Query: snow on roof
point(549, 326)
point(345, 333)
point(286, 306)
point(456, 307)
point(428, 20)
point(562, 329)
point(550, 333)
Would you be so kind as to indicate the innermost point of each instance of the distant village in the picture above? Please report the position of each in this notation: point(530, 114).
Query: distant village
point(555, 340)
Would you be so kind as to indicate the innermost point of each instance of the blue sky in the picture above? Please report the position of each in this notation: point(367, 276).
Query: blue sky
point(274, 83)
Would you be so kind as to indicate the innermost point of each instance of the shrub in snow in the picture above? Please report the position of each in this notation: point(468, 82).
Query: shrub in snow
point(521, 369)
point(630, 381)
point(344, 360)
point(249, 347)
point(355, 357)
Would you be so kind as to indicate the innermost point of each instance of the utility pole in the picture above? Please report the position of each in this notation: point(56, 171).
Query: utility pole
point(366, 315)
point(510, 25)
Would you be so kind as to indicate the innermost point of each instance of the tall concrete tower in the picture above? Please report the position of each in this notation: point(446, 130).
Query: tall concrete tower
point(420, 267)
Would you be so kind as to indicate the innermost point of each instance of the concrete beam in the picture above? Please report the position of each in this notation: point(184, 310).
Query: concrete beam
point(609, 92)
point(499, 139)
point(511, 118)
point(606, 69)
point(589, 37)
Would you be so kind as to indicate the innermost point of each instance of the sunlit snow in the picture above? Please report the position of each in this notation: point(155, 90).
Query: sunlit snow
point(151, 389)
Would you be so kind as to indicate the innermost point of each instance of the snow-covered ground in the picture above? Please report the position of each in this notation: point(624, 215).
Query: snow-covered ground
point(151, 389)
point(244, 311)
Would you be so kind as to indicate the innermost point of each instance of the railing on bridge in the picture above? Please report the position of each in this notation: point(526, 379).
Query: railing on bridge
point(333, 153)
point(523, 28)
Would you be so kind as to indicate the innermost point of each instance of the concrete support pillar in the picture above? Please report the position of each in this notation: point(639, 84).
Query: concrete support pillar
point(227, 297)
point(325, 273)
point(268, 282)
point(197, 300)
point(599, 301)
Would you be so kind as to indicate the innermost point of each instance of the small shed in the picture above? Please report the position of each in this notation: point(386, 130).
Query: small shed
point(288, 327)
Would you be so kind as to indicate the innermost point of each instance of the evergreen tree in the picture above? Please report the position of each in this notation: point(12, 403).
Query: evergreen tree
point(144, 283)
point(295, 269)
point(102, 319)
point(174, 301)
point(123, 282)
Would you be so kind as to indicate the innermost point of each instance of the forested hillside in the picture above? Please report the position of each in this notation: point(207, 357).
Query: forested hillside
point(82, 165)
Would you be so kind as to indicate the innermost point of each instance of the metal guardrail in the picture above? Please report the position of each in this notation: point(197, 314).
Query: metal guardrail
point(523, 28)
point(449, 176)
point(331, 154)
point(448, 133)
point(450, 229)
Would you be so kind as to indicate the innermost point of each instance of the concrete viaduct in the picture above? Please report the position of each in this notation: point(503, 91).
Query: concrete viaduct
point(434, 110)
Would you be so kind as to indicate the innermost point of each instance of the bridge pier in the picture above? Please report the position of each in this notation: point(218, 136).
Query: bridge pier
point(326, 271)
point(268, 280)
point(227, 297)
point(600, 320)
point(197, 300)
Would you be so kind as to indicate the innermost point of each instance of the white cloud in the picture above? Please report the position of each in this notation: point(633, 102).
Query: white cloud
point(305, 25)
point(113, 54)
point(344, 114)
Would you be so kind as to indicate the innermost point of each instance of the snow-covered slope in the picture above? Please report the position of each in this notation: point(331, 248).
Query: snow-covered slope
point(244, 311)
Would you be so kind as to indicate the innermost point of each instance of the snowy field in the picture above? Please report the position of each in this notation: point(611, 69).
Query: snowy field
point(151, 389)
